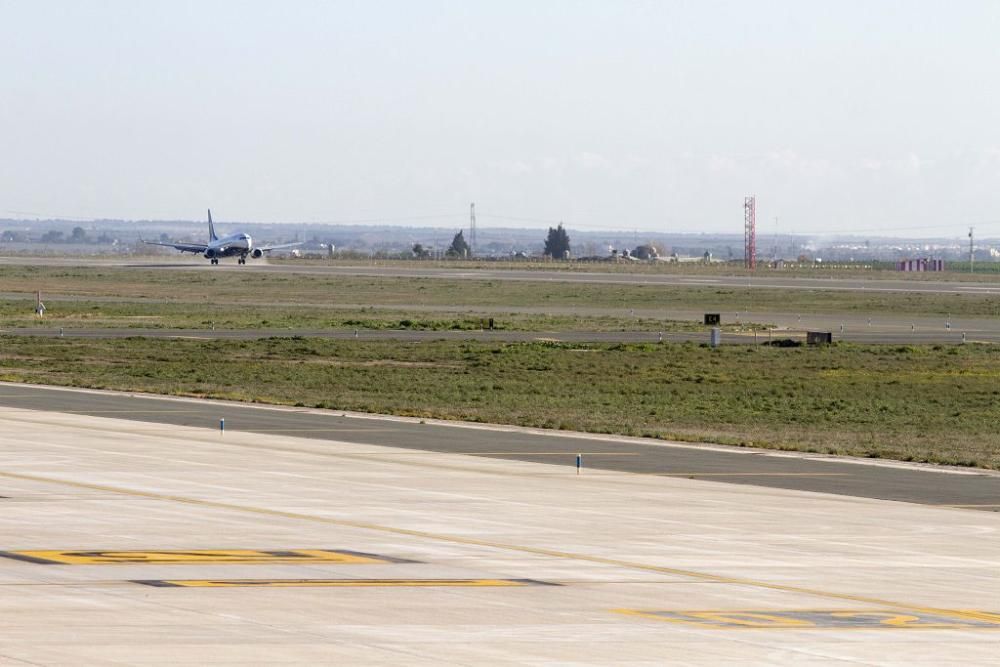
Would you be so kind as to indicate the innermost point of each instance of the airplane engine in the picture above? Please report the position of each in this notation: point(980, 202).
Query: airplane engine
point(209, 253)
point(257, 253)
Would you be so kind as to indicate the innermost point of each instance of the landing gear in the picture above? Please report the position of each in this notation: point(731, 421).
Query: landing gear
point(215, 261)
point(242, 260)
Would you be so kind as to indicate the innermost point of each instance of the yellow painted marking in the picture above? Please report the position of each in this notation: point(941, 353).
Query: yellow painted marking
point(750, 619)
point(941, 619)
point(981, 615)
point(174, 557)
point(457, 539)
point(285, 583)
point(892, 619)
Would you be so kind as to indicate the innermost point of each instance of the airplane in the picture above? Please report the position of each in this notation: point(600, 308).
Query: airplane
point(227, 246)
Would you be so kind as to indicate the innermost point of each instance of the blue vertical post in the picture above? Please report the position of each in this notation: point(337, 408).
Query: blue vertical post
point(579, 463)
point(222, 425)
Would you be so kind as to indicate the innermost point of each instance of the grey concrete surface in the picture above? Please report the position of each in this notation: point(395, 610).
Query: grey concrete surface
point(932, 485)
point(636, 569)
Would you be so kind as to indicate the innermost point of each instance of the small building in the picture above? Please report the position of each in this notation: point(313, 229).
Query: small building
point(921, 264)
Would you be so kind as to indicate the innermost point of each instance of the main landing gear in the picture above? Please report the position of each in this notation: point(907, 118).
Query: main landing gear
point(215, 261)
point(242, 260)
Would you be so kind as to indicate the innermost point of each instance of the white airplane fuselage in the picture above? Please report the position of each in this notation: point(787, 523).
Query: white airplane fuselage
point(228, 246)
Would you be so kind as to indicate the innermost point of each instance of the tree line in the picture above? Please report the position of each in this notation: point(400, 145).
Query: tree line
point(557, 245)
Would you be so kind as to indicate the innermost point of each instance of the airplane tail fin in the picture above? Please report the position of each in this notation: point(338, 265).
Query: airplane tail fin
point(211, 228)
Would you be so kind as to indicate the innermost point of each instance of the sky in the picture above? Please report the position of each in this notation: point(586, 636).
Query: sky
point(848, 116)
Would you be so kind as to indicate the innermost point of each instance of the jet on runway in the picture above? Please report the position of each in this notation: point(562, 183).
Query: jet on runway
point(235, 244)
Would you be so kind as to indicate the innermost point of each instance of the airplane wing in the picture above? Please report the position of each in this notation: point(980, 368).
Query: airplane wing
point(183, 247)
point(269, 248)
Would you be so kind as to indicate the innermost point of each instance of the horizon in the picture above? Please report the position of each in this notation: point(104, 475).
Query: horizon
point(639, 235)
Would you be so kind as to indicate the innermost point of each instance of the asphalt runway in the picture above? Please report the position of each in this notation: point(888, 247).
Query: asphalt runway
point(929, 485)
point(599, 277)
point(848, 326)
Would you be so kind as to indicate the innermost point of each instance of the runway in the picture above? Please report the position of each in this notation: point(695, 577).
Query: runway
point(872, 327)
point(576, 274)
point(930, 485)
point(130, 539)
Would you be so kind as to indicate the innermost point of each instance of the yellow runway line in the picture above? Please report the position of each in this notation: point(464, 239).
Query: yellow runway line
point(812, 619)
point(200, 556)
point(334, 583)
point(504, 546)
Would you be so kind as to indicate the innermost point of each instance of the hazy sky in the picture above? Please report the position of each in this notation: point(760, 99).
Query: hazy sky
point(848, 116)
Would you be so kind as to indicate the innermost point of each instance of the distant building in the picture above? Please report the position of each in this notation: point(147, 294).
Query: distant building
point(921, 264)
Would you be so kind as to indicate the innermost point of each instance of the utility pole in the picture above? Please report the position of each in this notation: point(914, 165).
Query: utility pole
point(472, 229)
point(750, 232)
point(774, 250)
point(972, 255)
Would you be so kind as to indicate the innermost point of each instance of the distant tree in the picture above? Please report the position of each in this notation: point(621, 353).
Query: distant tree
point(54, 236)
point(10, 235)
point(459, 248)
point(164, 237)
point(420, 252)
point(557, 243)
point(78, 235)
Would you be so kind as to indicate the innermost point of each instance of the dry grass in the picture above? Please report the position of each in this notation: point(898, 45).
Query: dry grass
point(928, 403)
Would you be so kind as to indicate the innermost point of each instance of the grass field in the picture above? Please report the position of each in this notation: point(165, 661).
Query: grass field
point(265, 293)
point(75, 314)
point(935, 403)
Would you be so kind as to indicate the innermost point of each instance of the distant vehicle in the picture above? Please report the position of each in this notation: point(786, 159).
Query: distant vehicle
point(238, 245)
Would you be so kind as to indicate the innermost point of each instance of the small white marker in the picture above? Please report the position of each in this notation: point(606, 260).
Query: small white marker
point(579, 463)
point(222, 425)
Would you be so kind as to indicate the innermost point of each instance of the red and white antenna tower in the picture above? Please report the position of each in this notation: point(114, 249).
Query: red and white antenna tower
point(750, 232)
